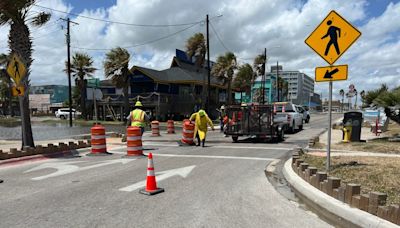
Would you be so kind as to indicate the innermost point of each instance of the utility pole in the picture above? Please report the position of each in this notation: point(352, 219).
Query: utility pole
point(277, 81)
point(68, 37)
point(263, 76)
point(208, 69)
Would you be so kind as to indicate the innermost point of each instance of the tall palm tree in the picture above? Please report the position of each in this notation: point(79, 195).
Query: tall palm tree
point(5, 94)
point(224, 70)
point(259, 66)
point(81, 68)
point(243, 78)
point(16, 14)
point(341, 92)
point(196, 47)
point(362, 96)
point(116, 68)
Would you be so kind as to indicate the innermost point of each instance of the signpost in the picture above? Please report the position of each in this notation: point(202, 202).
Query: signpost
point(332, 37)
point(94, 83)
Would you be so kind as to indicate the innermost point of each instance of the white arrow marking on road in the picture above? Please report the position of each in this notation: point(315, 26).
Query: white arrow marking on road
point(183, 172)
point(66, 167)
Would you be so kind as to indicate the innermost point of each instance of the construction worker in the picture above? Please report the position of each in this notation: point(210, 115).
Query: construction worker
point(222, 115)
point(138, 117)
point(202, 121)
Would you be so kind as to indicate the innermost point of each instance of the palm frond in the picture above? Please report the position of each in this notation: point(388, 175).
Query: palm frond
point(41, 19)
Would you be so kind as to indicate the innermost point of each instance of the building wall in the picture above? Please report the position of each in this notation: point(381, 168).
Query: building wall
point(58, 93)
point(300, 85)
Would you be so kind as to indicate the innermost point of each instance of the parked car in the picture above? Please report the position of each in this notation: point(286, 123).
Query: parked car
point(63, 113)
point(294, 118)
point(305, 112)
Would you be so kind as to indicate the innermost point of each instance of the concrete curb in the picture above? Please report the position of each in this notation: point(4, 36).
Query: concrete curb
point(331, 208)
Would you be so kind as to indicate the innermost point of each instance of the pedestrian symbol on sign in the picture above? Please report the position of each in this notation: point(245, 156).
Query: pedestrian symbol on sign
point(16, 69)
point(333, 33)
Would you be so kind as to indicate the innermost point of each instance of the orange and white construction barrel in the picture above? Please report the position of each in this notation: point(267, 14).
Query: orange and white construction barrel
point(170, 127)
point(155, 128)
point(98, 140)
point(134, 144)
point(187, 132)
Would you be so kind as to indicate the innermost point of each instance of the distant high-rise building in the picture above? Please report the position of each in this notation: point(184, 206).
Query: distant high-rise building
point(300, 85)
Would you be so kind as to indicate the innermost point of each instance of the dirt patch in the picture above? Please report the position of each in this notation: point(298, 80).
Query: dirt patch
point(374, 174)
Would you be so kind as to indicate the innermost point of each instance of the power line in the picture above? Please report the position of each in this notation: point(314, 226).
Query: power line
point(140, 44)
point(219, 38)
point(118, 22)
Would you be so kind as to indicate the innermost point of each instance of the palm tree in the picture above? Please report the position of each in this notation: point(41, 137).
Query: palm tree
point(16, 14)
point(5, 95)
point(362, 96)
point(116, 68)
point(341, 92)
point(243, 78)
point(196, 47)
point(259, 66)
point(224, 71)
point(81, 68)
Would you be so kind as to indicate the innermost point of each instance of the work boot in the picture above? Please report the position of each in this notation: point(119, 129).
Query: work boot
point(202, 142)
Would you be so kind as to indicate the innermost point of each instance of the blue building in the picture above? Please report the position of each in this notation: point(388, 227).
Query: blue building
point(270, 89)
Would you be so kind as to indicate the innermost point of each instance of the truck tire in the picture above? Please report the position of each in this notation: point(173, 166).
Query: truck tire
point(62, 117)
point(235, 138)
point(301, 127)
point(308, 119)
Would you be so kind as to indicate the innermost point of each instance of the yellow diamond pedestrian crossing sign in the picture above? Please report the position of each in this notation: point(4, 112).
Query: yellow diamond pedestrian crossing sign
point(16, 69)
point(332, 37)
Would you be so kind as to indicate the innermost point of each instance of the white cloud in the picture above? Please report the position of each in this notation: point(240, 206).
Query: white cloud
point(246, 28)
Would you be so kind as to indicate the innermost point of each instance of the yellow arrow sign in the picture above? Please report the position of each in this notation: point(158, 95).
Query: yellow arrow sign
point(16, 69)
point(18, 91)
point(332, 37)
point(331, 73)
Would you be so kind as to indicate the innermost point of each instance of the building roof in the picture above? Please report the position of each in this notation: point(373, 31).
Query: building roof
point(179, 72)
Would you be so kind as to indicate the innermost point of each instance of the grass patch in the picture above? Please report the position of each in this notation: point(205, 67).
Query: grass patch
point(374, 174)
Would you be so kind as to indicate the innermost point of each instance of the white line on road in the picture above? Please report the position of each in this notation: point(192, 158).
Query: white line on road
point(228, 147)
point(212, 156)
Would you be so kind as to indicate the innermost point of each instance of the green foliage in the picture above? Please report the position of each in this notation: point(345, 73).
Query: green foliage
point(116, 66)
point(259, 65)
point(224, 70)
point(243, 78)
point(371, 96)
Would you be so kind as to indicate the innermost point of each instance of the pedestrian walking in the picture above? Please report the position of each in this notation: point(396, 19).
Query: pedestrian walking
point(202, 121)
point(138, 117)
point(222, 115)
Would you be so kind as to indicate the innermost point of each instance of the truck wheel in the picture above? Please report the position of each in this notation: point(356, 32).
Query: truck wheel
point(301, 127)
point(235, 138)
point(308, 119)
point(62, 117)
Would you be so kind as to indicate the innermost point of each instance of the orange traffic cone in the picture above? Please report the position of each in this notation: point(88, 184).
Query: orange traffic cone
point(151, 184)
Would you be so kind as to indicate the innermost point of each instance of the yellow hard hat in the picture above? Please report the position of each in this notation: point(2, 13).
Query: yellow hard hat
point(138, 104)
point(202, 112)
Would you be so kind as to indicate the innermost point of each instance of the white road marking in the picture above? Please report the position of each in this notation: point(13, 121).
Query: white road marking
point(66, 167)
point(226, 147)
point(212, 156)
point(183, 172)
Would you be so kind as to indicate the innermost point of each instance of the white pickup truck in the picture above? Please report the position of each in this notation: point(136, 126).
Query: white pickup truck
point(288, 112)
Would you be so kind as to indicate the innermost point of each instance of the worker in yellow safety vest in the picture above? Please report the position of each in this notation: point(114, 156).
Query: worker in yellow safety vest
point(201, 120)
point(138, 117)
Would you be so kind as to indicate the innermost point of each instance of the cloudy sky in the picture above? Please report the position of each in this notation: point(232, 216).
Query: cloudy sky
point(245, 28)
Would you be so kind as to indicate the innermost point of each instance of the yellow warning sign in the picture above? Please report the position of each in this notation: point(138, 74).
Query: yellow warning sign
point(16, 69)
point(331, 73)
point(332, 37)
point(18, 91)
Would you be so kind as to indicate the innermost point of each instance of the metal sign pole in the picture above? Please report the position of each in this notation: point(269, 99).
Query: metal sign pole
point(328, 149)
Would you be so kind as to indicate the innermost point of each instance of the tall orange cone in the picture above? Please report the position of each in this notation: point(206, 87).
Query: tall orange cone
point(151, 184)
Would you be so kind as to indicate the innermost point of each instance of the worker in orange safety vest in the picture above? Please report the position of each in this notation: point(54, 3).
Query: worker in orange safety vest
point(138, 117)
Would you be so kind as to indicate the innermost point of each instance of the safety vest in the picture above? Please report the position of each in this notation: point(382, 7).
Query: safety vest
point(137, 118)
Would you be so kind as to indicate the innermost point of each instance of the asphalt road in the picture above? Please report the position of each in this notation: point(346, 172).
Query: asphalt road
point(221, 185)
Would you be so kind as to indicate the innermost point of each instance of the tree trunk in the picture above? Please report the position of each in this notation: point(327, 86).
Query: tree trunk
point(229, 92)
point(21, 44)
